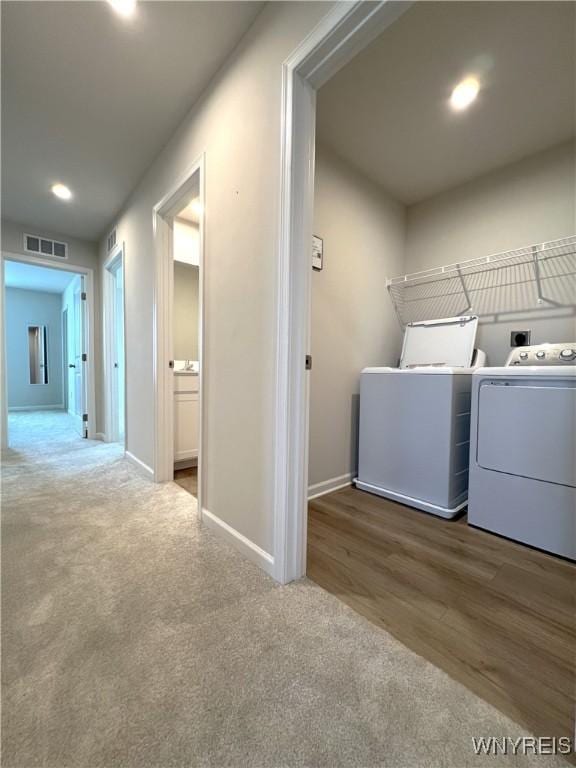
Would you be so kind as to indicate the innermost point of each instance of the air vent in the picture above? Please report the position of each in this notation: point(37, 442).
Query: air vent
point(43, 246)
point(112, 240)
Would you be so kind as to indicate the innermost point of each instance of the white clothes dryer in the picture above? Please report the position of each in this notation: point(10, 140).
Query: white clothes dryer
point(523, 448)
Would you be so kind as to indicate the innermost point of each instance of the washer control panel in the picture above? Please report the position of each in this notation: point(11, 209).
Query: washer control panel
point(544, 354)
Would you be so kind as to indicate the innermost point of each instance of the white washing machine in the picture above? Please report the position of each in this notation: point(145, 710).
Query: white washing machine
point(523, 448)
point(415, 419)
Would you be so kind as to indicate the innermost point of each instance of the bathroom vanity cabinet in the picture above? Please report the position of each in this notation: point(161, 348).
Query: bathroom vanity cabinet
point(185, 416)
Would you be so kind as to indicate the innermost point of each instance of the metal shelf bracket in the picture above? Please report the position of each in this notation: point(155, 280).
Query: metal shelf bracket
point(511, 281)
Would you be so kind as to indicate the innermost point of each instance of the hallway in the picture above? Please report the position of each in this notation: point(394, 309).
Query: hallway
point(133, 637)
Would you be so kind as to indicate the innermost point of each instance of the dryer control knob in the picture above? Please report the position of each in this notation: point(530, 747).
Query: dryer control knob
point(541, 354)
point(568, 354)
point(523, 355)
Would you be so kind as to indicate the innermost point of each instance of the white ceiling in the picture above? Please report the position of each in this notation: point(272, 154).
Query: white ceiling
point(33, 278)
point(387, 111)
point(89, 98)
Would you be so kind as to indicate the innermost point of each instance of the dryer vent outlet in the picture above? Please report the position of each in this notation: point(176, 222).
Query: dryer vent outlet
point(519, 338)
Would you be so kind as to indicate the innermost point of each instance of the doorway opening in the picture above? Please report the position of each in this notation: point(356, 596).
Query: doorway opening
point(179, 227)
point(48, 315)
point(344, 31)
point(186, 269)
point(412, 573)
point(115, 355)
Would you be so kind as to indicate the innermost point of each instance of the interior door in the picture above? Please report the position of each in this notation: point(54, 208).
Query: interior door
point(118, 346)
point(65, 356)
point(70, 350)
point(78, 350)
point(75, 334)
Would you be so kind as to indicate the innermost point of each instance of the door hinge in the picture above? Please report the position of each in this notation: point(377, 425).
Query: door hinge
point(308, 362)
point(83, 295)
point(84, 357)
point(84, 417)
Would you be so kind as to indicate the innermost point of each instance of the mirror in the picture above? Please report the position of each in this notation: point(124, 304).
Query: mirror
point(38, 360)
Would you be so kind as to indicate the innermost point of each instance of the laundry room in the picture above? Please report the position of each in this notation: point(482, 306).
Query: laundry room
point(443, 342)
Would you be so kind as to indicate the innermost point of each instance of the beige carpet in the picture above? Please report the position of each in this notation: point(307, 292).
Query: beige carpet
point(133, 637)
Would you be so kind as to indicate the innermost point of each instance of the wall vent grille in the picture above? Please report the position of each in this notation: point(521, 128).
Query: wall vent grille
point(45, 246)
point(111, 240)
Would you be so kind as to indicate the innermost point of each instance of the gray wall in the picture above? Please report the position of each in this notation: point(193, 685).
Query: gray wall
point(81, 253)
point(368, 237)
point(24, 308)
point(241, 236)
point(185, 311)
point(353, 322)
point(524, 203)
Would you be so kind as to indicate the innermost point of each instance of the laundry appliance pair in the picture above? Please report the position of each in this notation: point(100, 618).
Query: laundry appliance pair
point(443, 431)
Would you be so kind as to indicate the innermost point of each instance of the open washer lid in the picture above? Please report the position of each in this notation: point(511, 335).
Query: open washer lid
point(447, 342)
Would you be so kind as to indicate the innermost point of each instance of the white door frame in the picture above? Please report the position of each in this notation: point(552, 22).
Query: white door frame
point(163, 215)
point(89, 336)
point(65, 387)
point(117, 256)
point(340, 35)
point(3, 383)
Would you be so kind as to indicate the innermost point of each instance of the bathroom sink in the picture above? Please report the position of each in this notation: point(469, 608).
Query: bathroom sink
point(181, 366)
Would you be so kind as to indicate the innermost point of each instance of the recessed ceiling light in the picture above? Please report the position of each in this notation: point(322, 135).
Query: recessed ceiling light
point(61, 191)
point(464, 93)
point(124, 8)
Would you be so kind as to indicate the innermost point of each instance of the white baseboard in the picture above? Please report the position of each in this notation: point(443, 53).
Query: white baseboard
point(145, 470)
point(186, 456)
point(250, 550)
point(329, 486)
point(186, 463)
point(55, 407)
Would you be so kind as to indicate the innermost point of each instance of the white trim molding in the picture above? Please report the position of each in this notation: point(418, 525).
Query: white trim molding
point(329, 486)
point(186, 463)
point(143, 468)
point(52, 407)
point(340, 35)
point(240, 542)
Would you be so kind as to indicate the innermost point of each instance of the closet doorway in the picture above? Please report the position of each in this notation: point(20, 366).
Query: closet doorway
point(179, 233)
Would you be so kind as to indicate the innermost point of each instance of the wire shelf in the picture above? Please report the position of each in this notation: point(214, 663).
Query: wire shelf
point(524, 279)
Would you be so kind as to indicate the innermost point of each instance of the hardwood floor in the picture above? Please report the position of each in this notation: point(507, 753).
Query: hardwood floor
point(495, 615)
point(187, 479)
